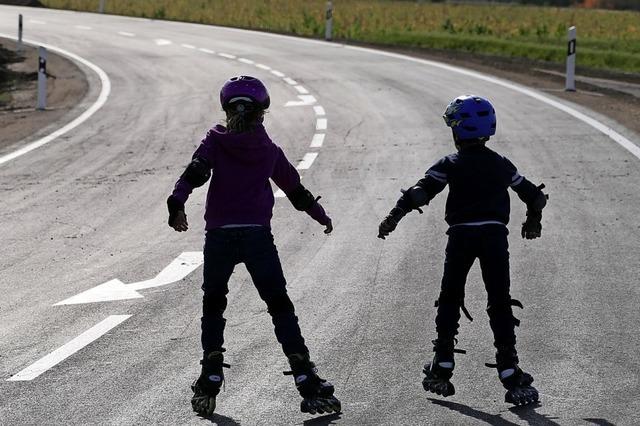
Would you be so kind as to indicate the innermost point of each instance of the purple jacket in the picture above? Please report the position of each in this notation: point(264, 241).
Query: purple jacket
point(239, 191)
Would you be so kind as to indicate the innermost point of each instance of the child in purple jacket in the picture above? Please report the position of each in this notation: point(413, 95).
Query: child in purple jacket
point(240, 159)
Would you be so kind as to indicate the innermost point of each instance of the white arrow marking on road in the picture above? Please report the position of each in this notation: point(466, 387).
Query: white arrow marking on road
point(304, 100)
point(68, 349)
point(115, 289)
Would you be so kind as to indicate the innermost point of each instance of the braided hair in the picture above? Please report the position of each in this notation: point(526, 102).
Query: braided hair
point(243, 116)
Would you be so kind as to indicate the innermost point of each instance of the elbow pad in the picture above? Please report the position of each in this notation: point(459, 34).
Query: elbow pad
point(197, 172)
point(301, 198)
point(413, 198)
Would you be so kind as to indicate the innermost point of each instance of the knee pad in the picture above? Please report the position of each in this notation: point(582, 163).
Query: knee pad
point(212, 303)
point(499, 310)
point(280, 305)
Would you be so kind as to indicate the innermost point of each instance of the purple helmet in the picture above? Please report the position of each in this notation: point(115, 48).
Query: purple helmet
point(471, 117)
point(248, 90)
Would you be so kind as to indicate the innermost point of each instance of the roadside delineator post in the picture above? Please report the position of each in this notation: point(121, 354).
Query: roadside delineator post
point(570, 85)
point(19, 46)
point(42, 78)
point(101, 7)
point(328, 29)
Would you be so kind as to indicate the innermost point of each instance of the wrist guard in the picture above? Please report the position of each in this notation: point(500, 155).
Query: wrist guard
point(174, 206)
point(532, 227)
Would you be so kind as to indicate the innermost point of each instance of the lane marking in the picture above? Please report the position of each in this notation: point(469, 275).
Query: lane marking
point(83, 27)
point(290, 81)
point(56, 357)
point(304, 100)
point(115, 289)
point(102, 99)
point(277, 73)
point(126, 34)
point(321, 124)
point(162, 42)
point(319, 110)
point(301, 89)
point(263, 67)
point(202, 49)
point(246, 61)
point(307, 160)
point(317, 141)
point(603, 128)
point(227, 55)
point(35, 21)
point(188, 46)
point(279, 194)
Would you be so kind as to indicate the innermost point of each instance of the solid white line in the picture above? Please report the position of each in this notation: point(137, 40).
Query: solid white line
point(302, 90)
point(277, 73)
point(617, 137)
point(279, 194)
point(321, 124)
point(317, 141)
point(102, 99)
point(263, 67)
point(126, 34)
point(227, 55)
point(188, 46)
point(246, 61)
point(202, 49)
point(307, 161)
point(290, 81)
point(162, 42)
point(68, 349)
point(83, 27)
point(318, 110)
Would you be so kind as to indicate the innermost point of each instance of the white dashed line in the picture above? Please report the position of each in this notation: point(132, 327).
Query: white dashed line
point(318, 110)
point(321, 124)
point(277, 73)
point(290, 81)
point(63, 352)
point(304, 100)
point(83, 27)
point(126, 34)
point(227, 55)
point(302, 90)
point(162, 42)
point(307, 160)
point(263, 67)
point(317, 141)
point(202, 49)
point(188, 46)
point(246, 61)
point(35, 21)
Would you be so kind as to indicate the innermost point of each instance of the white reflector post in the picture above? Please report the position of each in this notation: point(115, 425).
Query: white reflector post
point(42, 78)
point(101, 7)
point(328, 29)
point(571, 61)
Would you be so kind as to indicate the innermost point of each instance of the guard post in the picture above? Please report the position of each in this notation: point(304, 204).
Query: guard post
point(42, 78)
point(328, 29)
point(19, 46)
point(570, 85)
point(101, 7)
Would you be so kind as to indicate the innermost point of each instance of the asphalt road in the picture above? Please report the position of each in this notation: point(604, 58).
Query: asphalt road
point(89, 207)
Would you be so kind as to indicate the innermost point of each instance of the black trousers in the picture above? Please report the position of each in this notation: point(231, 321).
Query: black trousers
point(224, 248)
point(489, 244)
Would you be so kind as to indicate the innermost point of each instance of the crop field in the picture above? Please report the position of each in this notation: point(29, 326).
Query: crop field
point(606, 39)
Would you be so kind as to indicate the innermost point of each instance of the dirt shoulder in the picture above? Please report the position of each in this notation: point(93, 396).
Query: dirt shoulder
point(66, 87)
point(618, 106)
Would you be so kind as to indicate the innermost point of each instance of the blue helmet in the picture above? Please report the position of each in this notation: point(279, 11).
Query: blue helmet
point(471, 117)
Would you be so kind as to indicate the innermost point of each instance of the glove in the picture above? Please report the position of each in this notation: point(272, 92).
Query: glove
point(532, 227)
point(174, 206)
point(388, 225)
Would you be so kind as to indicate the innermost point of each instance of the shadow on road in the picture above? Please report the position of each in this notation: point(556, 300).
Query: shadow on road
point(323, 420)
point(529, 414)
point(493, 419)
point(220, 420)
point(599, 422)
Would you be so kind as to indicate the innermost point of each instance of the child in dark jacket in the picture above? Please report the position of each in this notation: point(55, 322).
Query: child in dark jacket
point(240, 159)
point(477, 211)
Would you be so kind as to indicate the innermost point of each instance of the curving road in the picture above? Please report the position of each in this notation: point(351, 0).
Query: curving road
point(88, 208)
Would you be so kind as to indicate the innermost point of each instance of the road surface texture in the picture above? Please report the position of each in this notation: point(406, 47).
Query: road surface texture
point(89, 207)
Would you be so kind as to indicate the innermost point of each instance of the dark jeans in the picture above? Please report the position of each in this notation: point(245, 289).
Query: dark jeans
point(253, 246)
point(489, 244)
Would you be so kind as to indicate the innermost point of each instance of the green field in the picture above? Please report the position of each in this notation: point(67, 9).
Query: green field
point(606, 39)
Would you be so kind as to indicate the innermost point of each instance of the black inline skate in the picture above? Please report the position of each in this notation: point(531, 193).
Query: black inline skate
point(439, 371)
point(518, 386)
point(316, 392)
point(207, 386)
